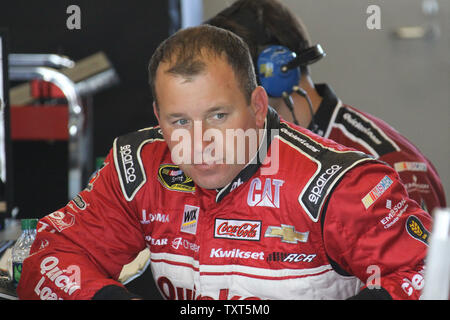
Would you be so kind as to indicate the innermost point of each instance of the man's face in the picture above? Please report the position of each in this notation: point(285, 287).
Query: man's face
point(196, 115)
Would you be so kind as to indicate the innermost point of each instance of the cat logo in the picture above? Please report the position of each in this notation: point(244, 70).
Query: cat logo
point(287, 234)
point(173, 178)
point(266, 197)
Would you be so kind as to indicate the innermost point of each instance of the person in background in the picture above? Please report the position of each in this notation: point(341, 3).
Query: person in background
point(282, 50)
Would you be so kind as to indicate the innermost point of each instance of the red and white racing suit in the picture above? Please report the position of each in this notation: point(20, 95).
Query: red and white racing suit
point(327, 224)
point(364, 132)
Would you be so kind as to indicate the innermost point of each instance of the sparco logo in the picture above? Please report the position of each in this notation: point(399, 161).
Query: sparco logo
point(316, 191)
point(128, 164)
point(237, 229)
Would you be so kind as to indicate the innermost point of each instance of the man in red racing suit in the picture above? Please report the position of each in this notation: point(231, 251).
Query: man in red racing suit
point(345, 224)
point(301, 218)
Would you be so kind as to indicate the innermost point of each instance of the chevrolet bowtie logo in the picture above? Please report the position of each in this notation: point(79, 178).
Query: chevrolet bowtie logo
point(287, 234)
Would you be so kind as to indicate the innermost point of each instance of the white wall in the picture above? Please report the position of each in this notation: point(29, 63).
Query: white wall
point(404, 82)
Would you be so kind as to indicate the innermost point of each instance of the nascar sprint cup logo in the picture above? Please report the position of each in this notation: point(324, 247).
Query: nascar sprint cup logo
point(316, 191)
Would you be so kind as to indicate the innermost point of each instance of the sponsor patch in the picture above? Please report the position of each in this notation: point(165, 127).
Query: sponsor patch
point(128, 162)
point(394, 213)
point(362, 130)
point(61, 220)
point(79, 202)
point(173, 178)
point(290, 257)
point(321, 182)
point(410, 166)
point(190, 218)
point(156, 242)
point(148, 218)
point(238, 229)
point(270, 195)
point(376, 192)
point(416, 229)
point(414, 186)
point(180, 242)
point(236, 253)
point(288, 234)
point(95, 176)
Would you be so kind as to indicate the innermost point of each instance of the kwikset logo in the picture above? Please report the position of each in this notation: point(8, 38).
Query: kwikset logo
point(236, 253)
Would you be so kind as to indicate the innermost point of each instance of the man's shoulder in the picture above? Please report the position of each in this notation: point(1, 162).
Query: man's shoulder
point(363, 130)
point(367, 132)
point(140, 137)
point(133, 152)
point(332, 161)
point(313, 145)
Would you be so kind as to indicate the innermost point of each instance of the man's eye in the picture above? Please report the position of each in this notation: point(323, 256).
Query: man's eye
point(180, 122)
point(219, 116)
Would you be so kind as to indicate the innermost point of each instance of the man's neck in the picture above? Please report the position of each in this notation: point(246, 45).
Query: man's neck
point(301, 106)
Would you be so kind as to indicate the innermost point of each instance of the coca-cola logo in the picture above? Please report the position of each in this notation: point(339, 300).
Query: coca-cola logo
point(237, 229)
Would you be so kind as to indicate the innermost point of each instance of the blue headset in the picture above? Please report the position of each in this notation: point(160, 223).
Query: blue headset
point(278, 68)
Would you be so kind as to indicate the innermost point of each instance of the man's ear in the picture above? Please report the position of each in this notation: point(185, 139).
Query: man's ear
point(155, 111)
point(259, 104)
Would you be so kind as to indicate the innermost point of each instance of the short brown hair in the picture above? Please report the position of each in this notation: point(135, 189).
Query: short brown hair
point(186, 48)
point(264, 22)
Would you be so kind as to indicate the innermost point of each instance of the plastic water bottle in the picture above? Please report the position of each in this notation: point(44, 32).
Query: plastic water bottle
point(21, 249)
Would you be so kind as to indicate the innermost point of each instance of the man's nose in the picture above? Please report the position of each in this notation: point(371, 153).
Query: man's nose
point(198, 142)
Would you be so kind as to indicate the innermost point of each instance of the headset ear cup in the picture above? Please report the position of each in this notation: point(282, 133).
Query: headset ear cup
point(269, 64)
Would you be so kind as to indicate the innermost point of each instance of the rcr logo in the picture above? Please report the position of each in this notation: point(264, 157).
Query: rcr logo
point(128, 164)
point(316, 191)
point(268, 198)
